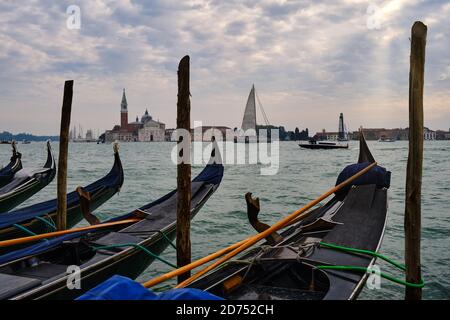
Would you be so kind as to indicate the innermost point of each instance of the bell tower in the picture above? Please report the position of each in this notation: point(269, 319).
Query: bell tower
point(124, 113)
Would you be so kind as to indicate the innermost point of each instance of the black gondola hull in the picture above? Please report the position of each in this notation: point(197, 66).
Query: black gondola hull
point(100, 191)
point(21, 189)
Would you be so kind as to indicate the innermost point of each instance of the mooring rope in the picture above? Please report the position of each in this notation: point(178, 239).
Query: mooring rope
point(144, 249)
point(368, 270)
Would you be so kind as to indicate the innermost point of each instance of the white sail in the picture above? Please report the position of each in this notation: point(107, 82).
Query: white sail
point(249, 121)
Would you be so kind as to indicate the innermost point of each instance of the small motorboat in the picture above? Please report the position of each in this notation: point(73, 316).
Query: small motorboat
point(314, 144)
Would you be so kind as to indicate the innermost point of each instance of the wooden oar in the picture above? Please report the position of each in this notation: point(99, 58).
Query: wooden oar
point(195, 264)
point(12, 242)
point(244, 244)
point(192, 265)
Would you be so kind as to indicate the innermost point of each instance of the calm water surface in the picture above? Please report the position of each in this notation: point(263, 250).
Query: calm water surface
point(303, 176)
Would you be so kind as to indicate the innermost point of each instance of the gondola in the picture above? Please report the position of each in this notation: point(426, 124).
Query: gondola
point(41, 217)
point(26, 183)
point(15, 164)
point(40, 271)
point(293, 268)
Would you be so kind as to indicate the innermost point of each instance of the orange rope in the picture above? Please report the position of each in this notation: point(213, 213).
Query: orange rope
point(12, 242)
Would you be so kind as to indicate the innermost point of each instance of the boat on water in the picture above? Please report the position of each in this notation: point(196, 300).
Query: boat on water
point(41, 217)
point(247, 133)
point(40, 270)
point(15, 164)
point(341, 137)
point(343, 132)
point(306, 263)
point(384, 139)
point(26, 183)
point(313, 144)
point(26, 141)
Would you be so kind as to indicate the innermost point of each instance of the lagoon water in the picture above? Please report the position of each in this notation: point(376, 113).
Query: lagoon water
point(303, 175)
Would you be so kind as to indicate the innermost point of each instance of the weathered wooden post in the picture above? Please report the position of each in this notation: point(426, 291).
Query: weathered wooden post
point(415, 159)
point(61, 217)
point(183, 170)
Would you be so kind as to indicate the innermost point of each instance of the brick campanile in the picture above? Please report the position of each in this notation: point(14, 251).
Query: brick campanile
point(124, 113)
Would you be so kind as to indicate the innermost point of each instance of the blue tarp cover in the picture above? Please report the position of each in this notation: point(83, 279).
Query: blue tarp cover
point(377, 175)
point(123, 288)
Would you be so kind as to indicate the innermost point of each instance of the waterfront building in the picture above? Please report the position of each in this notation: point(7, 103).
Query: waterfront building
point(168, 134)
point(395, 134)
point(151, 130)
point(442, 135)
point(207, 133)
point(144, 130)
point(429, 134)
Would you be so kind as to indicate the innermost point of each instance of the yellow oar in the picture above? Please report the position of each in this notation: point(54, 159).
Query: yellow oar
point(192, 265)
point(12, 242)
point(279, 225)
point(287, 221)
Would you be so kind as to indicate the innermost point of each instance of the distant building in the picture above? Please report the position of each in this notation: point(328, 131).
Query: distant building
point(325, 135)
point(382, 133)
point(151, 130)
point(207, 133)
point(396, 134)
point(145, 130)
point(442, 135)
point(168, 135)
point(429, 134)
point(89, 135)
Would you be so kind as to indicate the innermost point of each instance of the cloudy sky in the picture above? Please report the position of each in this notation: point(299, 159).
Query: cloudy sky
point(309, 60)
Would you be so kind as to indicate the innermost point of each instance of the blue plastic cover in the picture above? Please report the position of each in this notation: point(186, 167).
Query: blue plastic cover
point(123, 288)
point(377, 175)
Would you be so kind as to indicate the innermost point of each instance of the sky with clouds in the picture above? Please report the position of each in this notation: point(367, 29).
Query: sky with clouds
point(309, 60)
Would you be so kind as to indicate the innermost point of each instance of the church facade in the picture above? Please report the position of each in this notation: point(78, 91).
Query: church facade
point(144, 130)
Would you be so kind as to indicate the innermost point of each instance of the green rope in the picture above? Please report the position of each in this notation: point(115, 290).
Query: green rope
point(47, 222)
point(168, 239)
point(22, 228)
point(383, 275)
point(158, 231)
point(367, 252)
point(139, 247)
point(364, 269)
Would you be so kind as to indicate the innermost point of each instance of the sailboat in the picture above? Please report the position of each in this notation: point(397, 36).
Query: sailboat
point(248, 131)
point(342, 136)
point(343, 133)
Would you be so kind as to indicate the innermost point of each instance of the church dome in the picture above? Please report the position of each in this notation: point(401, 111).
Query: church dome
point(146, 117)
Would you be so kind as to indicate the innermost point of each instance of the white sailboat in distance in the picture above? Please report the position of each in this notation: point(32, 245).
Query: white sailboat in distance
point(249, 126)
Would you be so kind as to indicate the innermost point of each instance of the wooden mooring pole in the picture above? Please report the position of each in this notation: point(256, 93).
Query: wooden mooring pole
point(415, 159)
point(183, 170)
point(61, 216)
